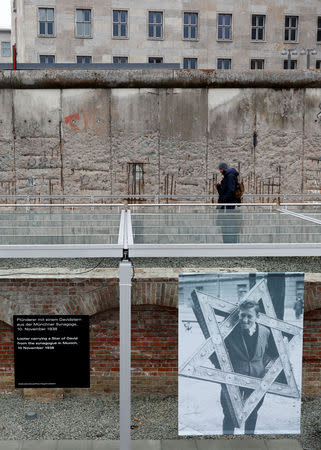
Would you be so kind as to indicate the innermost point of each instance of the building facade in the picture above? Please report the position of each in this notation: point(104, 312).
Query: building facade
point(5, 45)
point(205, 34)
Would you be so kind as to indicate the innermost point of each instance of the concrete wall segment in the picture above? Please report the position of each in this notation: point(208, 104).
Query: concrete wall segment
point(6, 131)
point(86, 153)
point(37, 113)
point(135, 140)
point(86, 140)
point(312, 141)
point(156, 78)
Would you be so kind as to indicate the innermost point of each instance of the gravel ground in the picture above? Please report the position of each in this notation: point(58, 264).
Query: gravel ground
point(310, 264)
point(90, 417)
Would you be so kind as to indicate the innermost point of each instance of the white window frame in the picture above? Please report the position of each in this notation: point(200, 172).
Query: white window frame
point(120, 56)
point(257, 27)
point(46, 35)
point(46, 56)
point(5, 48)
point(127, 24)
point(83, 56)
point(191, 25)
point(155, 24)
point(318, 29)
point(224, 26)
point(224, 59)
point(189, 59)
point(289, 28)
point(256, 60)
point(155, 58)
point(78, 36)
point(285, 61)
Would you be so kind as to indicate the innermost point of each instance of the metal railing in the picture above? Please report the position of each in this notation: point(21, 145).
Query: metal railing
point(65, 199)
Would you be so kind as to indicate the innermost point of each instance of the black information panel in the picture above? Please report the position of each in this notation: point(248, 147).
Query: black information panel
point(51, 351)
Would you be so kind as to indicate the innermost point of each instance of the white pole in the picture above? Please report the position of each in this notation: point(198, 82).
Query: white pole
point(125, 273)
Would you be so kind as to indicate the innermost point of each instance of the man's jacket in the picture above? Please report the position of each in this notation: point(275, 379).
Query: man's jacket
point(264, 351)
point(227, 188)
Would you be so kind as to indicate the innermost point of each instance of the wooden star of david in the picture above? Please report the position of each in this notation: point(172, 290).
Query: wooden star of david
point(205, 307)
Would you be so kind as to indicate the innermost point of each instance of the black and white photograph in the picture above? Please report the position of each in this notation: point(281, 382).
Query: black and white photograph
point(240, 353)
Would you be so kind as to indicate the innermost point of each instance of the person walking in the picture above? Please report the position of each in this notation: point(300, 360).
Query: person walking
point(227, 186)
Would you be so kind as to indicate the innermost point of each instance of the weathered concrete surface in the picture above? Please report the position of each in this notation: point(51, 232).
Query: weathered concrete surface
point(85, 141)
point(165, 78)
point(99, 141)
point(135, 132)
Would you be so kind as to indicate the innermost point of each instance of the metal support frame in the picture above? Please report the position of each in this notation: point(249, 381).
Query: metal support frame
point(300, 216)
point(126, 247)
point(125, 273)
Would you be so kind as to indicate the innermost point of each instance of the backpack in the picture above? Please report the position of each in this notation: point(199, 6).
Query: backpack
point(239, 189)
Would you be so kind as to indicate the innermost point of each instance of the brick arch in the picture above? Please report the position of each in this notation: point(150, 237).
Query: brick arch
point(154, 349)
point(93, 301)
point(157, 291)
point(312, 297)
point(57, 296)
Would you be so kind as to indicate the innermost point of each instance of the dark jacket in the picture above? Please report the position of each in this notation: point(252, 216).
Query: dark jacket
point(263, 353)
point(226, 189)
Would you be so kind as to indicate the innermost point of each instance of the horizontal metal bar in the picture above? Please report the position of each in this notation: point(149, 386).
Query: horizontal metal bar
point(301, 216)
point(223, 250)
point(166, 205)
point(154, 196)
point(61, 251)
point(54, 205)
point(213, 205)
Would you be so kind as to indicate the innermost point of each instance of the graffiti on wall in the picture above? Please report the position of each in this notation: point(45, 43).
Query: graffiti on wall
point(84, 120)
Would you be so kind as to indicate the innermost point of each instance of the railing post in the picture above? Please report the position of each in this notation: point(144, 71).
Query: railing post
point(125, 271)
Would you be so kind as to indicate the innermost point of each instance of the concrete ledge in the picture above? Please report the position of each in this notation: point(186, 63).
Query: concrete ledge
point(181, 444)
point(162, 78)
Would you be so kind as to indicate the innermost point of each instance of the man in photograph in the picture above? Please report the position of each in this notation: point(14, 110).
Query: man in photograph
point(250, 347)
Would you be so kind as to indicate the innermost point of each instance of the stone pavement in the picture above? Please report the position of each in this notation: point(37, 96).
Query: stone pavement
point(191, 444)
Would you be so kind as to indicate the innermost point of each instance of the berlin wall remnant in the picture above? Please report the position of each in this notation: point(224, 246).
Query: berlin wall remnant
point(158, 140)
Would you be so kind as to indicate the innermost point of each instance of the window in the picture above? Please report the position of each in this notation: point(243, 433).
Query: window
point(5, 49)
point(120, 59)
point(293, 64)
point(46, 21)
point(190, 25)
point(47, 59)
point(190, 63)
point(257, 64)
point(224, 64)
point(155, 60)
point(83, 59)
point(224, 28)
point(318, 64)
point(120, 24)
point(258, 28)
point(83, 23)
point(155, 25)
point(319, 30)
point(242, 289)
point(291, 28)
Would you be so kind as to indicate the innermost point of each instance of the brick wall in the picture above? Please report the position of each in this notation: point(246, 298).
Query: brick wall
point(6, 357)
point(154, 330)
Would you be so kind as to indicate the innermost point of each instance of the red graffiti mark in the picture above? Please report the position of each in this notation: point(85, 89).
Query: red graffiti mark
point(88, 120)
point(89, 117)
point(69, 120)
